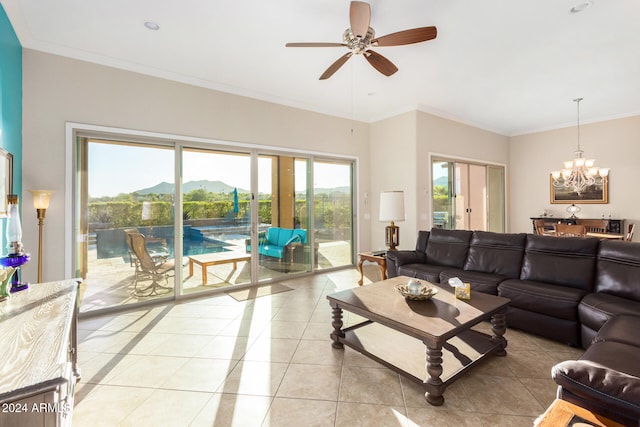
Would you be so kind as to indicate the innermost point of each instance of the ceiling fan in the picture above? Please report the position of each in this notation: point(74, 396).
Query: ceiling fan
point(360, 37)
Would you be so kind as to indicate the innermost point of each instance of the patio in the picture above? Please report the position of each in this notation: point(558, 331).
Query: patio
point(110, 281)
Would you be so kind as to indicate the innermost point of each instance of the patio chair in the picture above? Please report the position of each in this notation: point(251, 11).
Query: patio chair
point(158, 253)
point(148, 267)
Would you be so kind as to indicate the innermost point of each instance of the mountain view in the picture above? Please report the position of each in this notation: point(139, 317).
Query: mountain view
point(217, 187)
point(443, 180)
point(210, 186)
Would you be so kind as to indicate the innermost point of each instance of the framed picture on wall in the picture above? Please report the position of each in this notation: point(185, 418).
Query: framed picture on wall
point(597, 193)
point(6, 180)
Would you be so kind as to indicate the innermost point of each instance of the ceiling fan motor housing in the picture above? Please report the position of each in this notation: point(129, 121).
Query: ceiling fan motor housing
point(358, 45)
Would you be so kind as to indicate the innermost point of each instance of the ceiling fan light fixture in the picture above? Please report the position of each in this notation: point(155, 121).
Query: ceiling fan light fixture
point(151, 25)
point(580, 7)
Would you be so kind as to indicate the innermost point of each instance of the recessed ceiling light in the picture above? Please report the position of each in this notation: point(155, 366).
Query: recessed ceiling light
point(152, 25)
point(580, 7)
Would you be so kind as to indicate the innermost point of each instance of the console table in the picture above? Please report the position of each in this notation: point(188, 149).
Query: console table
point(615, 226)
point(38, 349)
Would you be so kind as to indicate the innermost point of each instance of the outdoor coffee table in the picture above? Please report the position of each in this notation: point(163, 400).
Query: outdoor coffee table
point(442, 324)
point(216, 258)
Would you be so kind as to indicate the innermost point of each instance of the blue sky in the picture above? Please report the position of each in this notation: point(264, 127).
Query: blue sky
point(115, 169)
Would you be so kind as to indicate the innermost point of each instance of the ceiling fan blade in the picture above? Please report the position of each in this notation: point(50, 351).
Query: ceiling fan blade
point(335, 66)
point(312, 44)
point(380, 63)
point(360, 18)
point(415, 35)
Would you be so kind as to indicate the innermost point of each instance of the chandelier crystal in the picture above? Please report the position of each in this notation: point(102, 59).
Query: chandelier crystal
point(579, 173)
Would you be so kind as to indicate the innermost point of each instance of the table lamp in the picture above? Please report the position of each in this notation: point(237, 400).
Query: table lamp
point(392, 209)
point(16, 257)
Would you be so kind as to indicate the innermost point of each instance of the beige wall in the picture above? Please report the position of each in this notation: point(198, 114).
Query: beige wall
point(612, 143)
point(393, 146)
point(57, 90)
point(400, 160)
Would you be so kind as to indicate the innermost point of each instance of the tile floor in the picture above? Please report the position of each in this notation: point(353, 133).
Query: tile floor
point(268, 362)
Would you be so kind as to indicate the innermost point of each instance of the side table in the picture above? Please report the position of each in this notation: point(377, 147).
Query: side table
point(381, 260)
point(562, 413)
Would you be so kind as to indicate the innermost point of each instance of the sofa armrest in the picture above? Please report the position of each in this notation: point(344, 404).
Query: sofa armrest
point(604, 379)
point(262, 240)
point(397, 258)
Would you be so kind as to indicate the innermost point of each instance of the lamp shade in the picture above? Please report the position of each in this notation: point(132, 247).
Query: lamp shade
point(41, 198)
point(392, 206)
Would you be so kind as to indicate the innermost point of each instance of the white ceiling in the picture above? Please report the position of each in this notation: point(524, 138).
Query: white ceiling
point(507, 66)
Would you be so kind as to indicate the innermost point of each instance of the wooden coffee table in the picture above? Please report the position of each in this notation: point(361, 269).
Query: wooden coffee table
point(397, 331)
point(216, 258)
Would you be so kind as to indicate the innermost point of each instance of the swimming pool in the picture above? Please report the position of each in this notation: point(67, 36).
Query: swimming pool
point(112, 244)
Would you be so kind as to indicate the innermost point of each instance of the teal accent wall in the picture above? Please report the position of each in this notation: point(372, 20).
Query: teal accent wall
point(10, 102)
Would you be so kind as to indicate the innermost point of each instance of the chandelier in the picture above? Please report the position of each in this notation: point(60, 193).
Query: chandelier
point(579, 173)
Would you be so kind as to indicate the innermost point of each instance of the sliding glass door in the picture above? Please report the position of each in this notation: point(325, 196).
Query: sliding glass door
point(284, 237)
point(467, 196)
point(333, 213)
point(216, 218)
point(126, 222)
point(234, 218)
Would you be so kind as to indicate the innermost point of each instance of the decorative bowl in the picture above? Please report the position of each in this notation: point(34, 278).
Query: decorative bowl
point(426, 292)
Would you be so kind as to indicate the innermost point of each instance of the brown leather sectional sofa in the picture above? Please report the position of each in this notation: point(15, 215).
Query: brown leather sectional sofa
point(581, 291)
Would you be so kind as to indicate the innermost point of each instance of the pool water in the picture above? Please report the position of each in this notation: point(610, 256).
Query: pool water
point(189, 247)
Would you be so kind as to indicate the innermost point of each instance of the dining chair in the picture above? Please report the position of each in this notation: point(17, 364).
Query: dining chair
point(629, 236)
point(570, 230)
point(539, 226)
point(594, 225)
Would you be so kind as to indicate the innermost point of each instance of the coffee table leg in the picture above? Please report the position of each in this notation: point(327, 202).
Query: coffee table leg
point(337, 327)
point(499, 327)
point(434, 385)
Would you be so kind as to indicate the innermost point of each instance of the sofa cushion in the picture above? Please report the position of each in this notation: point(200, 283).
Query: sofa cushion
point(422, 240)
point(557, 301)
point(480, 282)
point(595, 309)
point(606, 378)
point(564, 261)
point(283, 236)
point(552, 327)
point(496, 253)
point(623, 329)
point(618, 267)
point(273, 234)
point(448, 247)
point(428, 272)
point(274, 251)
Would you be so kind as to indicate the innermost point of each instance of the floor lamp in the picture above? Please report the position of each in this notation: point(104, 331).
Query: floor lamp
point(392, 209)
point(41, 203)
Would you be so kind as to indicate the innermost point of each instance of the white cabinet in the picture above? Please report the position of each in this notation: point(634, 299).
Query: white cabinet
point(38, 355)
